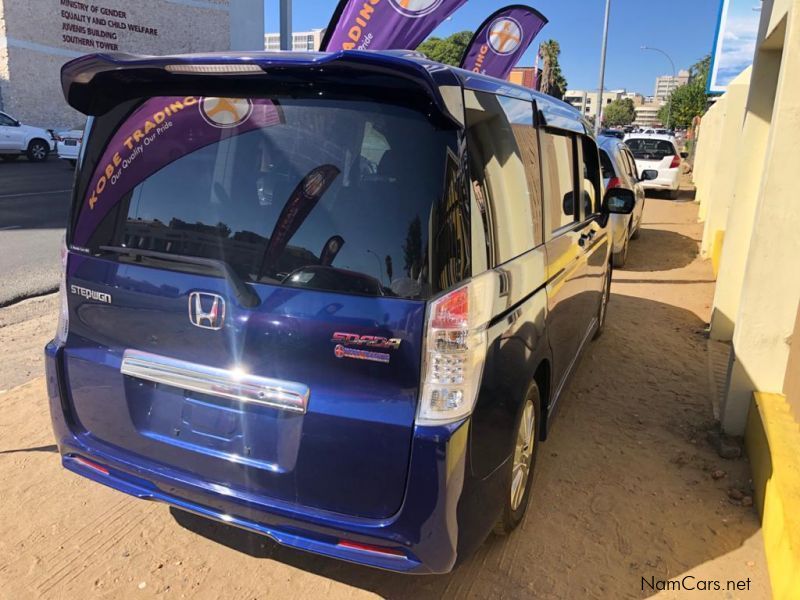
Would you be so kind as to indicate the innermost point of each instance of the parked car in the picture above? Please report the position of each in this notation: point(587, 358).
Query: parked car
point(659, 153)
point(69, 145)
point(390, 414)
point(619, 171)
point(616, 133)
point(18, 139)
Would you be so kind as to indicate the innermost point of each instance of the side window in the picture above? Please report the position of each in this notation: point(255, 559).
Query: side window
point(606, 166)
point(6, 121)
point(559, 179)
point(520, 115)
point(499, 176)
point(590, 178)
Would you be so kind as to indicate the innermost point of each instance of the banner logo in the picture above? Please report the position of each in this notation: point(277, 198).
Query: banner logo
point(415, 8)
point(505, 35)
point(225, 112)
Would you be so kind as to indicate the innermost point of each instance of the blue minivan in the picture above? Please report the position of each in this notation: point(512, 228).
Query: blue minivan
point(333, 299)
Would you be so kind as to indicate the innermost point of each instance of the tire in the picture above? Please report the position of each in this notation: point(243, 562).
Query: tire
point(526, 446)
point(9, 157)
point(72, 162)
point(618, 258)
point(38, 151)
point(603, 308)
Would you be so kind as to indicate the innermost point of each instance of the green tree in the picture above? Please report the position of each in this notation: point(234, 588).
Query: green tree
point(551, 80)
point(447, 50)
point(619, 113)
point(690, 100)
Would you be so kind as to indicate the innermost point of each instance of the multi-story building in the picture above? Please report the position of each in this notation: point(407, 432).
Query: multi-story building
point(37, 38)
point(647, 114)
point(301, 40)
point(587, 102)
point(666, 84)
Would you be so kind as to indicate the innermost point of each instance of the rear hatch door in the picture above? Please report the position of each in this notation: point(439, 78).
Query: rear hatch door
point(247, 279)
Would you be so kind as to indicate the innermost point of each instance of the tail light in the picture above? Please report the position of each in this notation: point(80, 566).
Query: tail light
point(63, 314)
point(455, 350)
point(676, 162)
point(614, 182)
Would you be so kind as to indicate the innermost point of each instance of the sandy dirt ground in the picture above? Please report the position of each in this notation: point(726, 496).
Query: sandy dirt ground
point(627, 487)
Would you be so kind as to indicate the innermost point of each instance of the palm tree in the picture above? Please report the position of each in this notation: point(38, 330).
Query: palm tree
point(551, 80)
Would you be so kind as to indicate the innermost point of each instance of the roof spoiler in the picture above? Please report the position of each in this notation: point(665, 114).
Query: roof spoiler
point(95, 83)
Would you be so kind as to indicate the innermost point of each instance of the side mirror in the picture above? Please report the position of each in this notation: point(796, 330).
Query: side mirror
point(649, 175)
point(684, 155)
point(17, 123)
point(619, 201)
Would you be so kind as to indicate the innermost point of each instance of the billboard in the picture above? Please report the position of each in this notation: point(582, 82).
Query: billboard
point(734, 43)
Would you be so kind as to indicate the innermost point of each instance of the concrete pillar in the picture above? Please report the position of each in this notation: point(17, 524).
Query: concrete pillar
point(771, 283)
point(722, 188)
point(708, 146)
point(247, 25)
point(749, 169)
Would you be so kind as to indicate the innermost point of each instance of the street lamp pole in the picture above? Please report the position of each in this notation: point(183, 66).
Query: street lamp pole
point(598, 119)
point(286, 24)
point(674, 81)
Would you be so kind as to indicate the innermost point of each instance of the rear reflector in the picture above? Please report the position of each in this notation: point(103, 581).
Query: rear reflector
point(90, 465)
point(614, 182)
point(392, 552)
point(214, 69)
point(676, 162)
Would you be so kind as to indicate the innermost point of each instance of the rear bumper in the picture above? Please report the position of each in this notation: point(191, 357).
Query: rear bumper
point(666, 181)
point(423, 536)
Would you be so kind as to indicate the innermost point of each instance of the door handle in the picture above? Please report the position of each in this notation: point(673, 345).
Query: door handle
point(586, 237)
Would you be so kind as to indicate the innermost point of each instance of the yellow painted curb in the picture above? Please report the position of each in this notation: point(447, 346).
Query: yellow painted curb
point(716, 250)
point(772, 440)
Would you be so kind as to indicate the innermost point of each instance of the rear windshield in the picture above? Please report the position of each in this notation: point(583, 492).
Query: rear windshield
point(327, 194)
point(649, 149)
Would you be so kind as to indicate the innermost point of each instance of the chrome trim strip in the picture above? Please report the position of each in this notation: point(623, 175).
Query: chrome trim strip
point(224, 383)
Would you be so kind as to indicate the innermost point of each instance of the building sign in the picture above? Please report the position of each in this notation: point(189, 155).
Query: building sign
point(735, 42)
point(98, 26)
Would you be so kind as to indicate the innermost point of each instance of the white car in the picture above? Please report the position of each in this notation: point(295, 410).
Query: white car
point(69, 145)
point(657, 152)
point(17, 139)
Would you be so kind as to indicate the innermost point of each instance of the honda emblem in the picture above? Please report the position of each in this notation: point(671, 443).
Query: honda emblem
point(206, 310)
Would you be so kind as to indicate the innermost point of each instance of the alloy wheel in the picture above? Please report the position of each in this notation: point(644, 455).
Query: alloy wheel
point(523, 453)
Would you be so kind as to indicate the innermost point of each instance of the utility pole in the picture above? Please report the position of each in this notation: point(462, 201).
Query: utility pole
point(599, 118)
point(286, 24)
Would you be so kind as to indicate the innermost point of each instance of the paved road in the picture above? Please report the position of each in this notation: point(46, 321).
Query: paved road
point(34, 202)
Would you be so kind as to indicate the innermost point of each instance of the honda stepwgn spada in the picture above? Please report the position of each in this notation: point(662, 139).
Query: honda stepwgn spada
point(330, 298)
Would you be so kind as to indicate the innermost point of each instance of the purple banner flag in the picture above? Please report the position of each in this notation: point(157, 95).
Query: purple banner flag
point(160, 131)
point(501, 41)
point(385, 24)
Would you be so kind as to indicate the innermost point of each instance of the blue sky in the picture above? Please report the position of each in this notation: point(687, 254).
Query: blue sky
point(682, 28)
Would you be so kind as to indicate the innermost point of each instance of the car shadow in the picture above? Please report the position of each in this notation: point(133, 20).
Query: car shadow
point(623, 487)
point(50, 448)
point(660, 250)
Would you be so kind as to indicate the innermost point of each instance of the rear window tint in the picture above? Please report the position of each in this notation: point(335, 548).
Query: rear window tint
point(649, 149)
point(336, 195)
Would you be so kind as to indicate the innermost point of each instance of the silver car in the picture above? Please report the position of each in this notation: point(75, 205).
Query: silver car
point(619, 170)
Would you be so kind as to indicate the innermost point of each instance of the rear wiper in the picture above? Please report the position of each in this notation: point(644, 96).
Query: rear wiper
point(244, 294)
